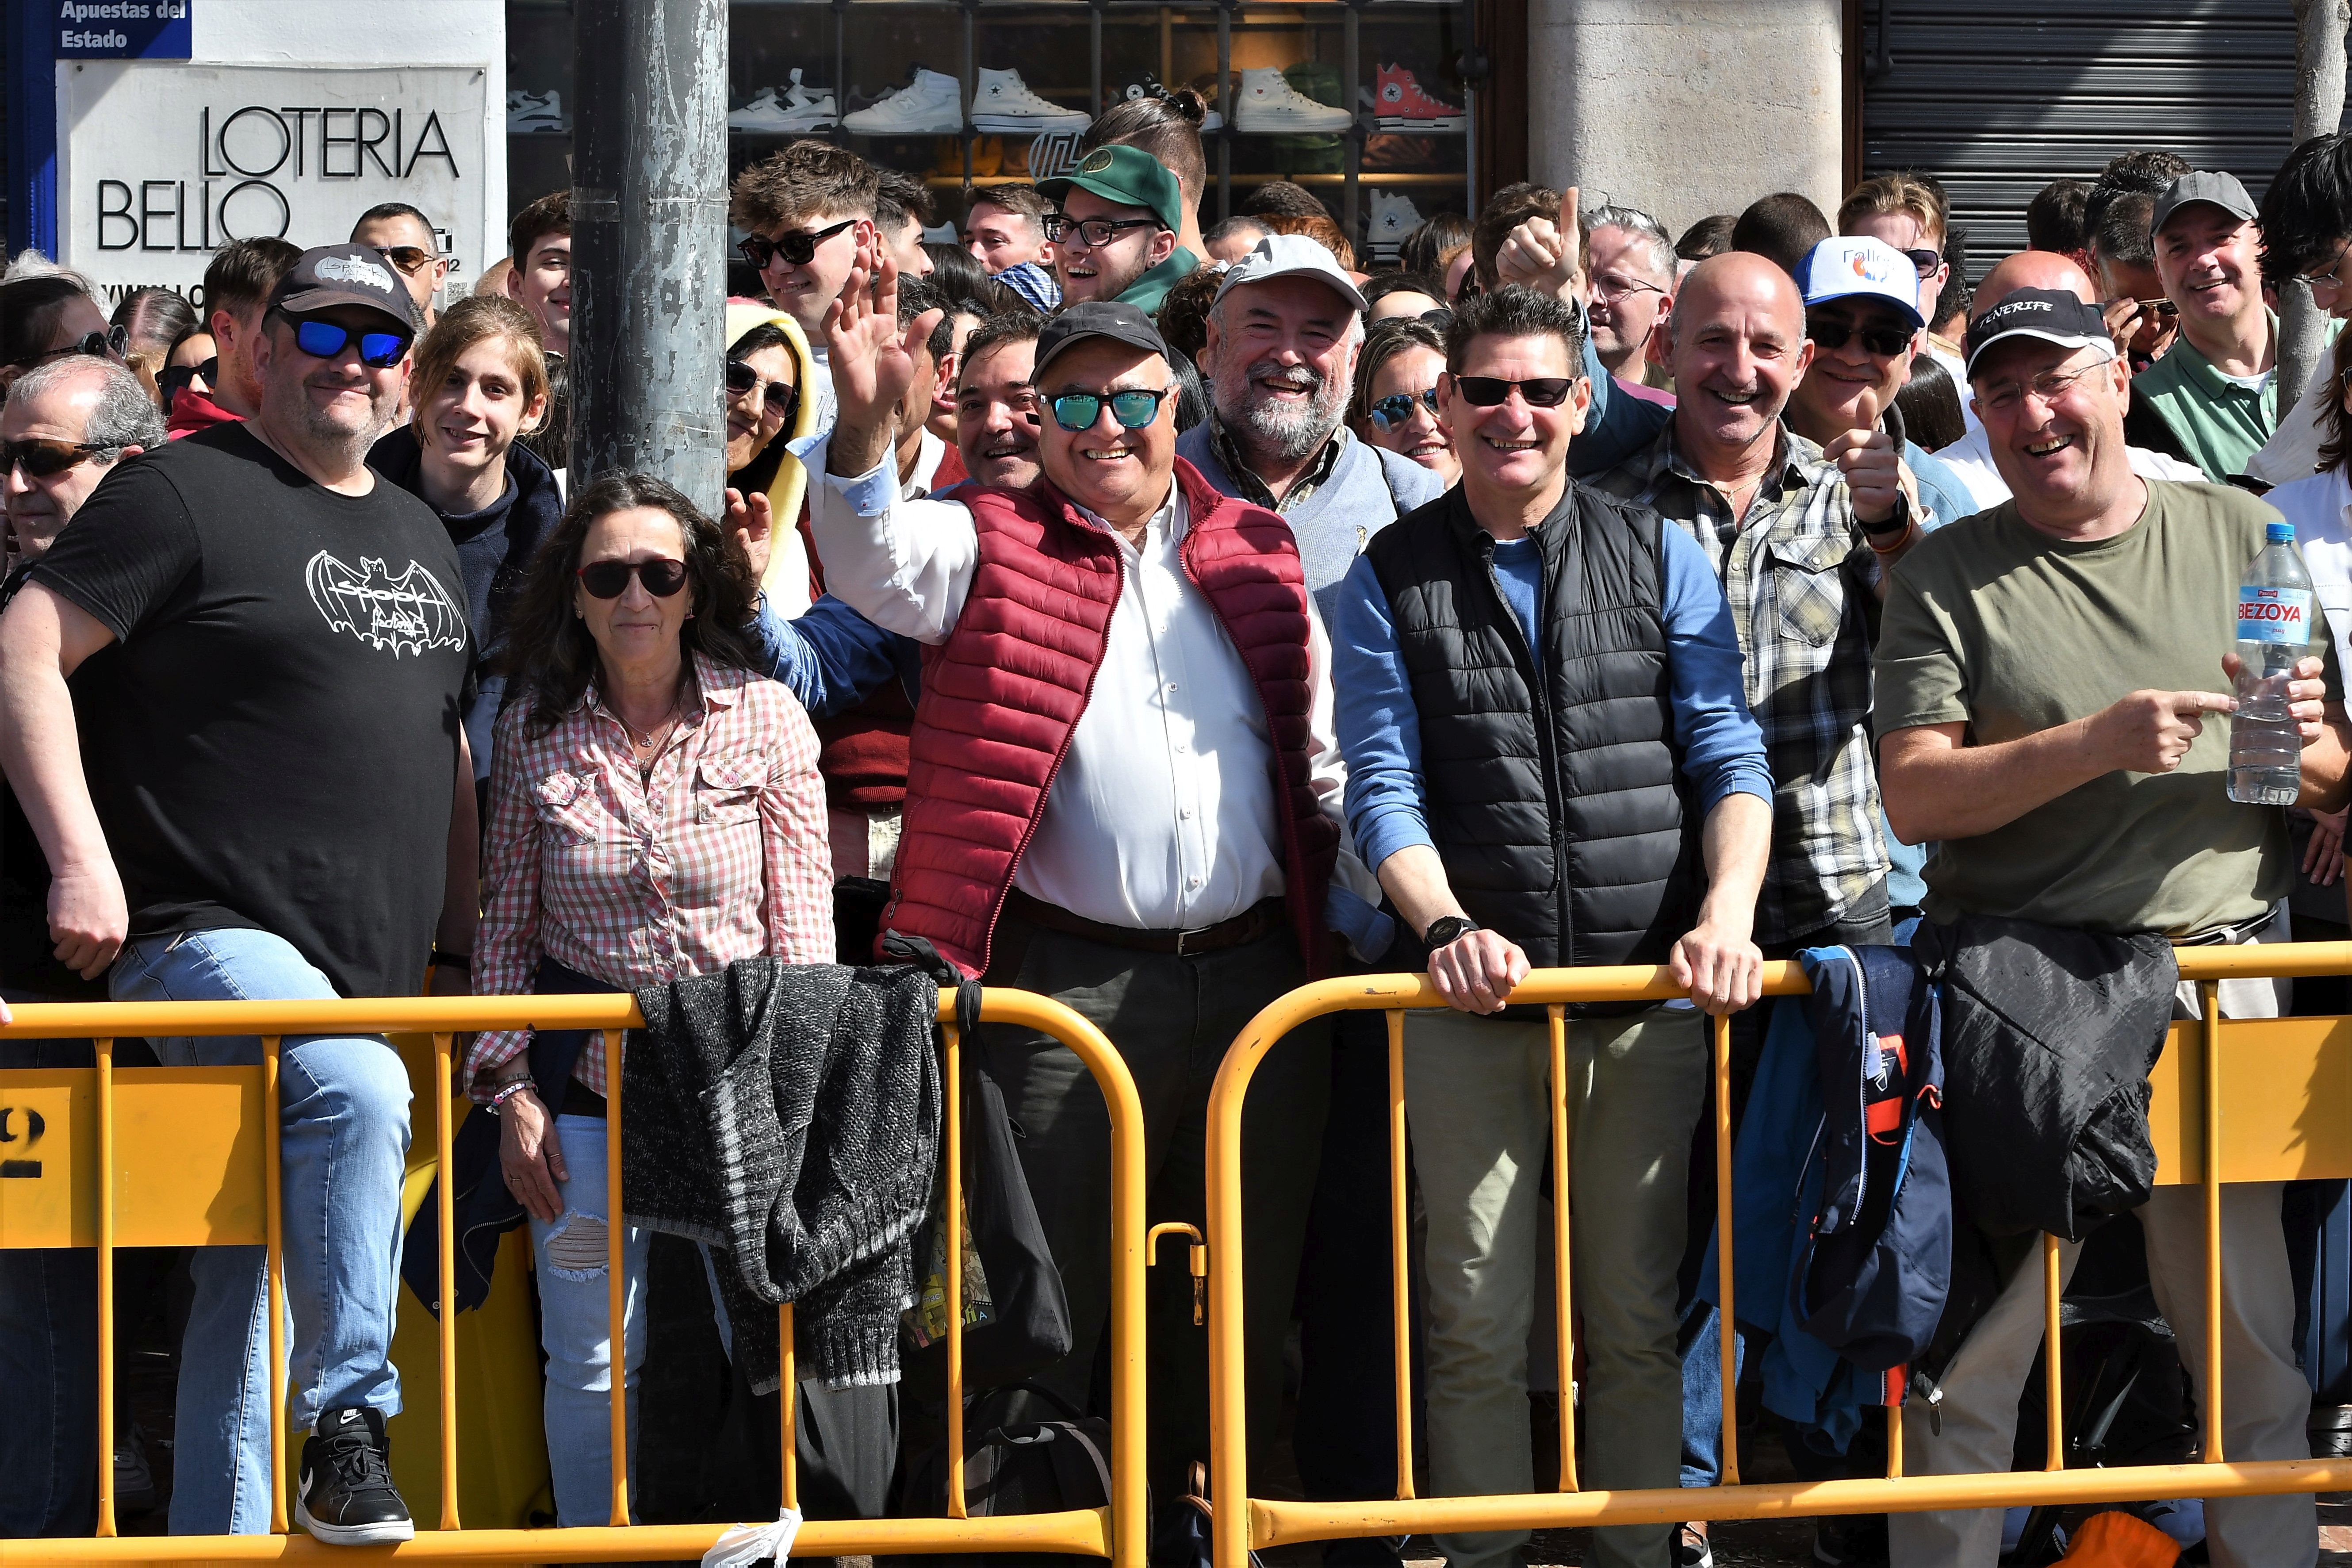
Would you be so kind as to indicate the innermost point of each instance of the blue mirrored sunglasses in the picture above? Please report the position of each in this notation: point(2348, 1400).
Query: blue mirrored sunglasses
point(1133, 407)
point(1397, 408)
point(325, 339)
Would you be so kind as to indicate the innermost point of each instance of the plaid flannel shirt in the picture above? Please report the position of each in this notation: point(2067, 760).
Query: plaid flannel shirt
point(720, 853)
point(1799, 575)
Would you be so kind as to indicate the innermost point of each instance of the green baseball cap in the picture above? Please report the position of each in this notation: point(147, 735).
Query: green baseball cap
point(1127, 175)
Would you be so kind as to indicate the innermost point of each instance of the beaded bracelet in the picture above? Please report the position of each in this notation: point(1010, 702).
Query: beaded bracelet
point(507, 1092)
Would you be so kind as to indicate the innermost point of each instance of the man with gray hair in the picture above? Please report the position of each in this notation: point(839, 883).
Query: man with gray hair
point(67, 425)
point(1280, 364)
point(1632, 259)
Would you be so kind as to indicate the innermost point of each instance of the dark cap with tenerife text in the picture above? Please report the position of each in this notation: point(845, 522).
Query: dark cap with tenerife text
point(2052, 315)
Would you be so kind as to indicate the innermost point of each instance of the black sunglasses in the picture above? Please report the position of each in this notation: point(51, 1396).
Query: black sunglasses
point(1925, 262)
point(410, 259)
point(796, 247)
point(1885, 342)
point(97, 346)
point(610, 579)
point(1488, 391)
point(780, 396)
point(2140, 307)
point(44, 459)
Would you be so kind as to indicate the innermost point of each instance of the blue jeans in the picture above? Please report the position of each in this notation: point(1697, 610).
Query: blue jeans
point(343, 1147)
point(49, 1362)
point(575, 1320)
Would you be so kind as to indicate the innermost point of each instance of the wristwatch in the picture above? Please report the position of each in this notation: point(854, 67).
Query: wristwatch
point(1447, 930)
point(1898, 521)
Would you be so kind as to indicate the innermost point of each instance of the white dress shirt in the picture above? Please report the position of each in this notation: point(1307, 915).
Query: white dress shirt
point(2320, 507)
point(1970, 458)
point(1166, 814)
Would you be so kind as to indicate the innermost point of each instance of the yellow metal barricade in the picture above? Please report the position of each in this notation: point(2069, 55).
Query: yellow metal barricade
point(190, 1158)
point(2286, 1084)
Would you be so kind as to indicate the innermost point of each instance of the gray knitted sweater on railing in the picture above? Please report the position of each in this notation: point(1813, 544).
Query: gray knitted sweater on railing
point(790, 1114)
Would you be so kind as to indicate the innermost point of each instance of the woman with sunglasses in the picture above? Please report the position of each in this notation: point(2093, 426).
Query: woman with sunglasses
point(768, 367)
point(1396, 395)
point(477, 385)
point(49, 314)
point(655, 813)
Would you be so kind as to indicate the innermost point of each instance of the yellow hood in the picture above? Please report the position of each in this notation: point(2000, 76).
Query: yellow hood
point(786, 581)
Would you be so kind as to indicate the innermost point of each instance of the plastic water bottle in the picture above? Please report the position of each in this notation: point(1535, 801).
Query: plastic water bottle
point(2275, 624)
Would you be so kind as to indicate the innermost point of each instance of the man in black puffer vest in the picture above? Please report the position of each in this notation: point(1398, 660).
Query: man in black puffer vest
point(1550, 762)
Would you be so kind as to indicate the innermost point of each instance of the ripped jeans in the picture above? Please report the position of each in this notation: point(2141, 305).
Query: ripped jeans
point(572, 1255)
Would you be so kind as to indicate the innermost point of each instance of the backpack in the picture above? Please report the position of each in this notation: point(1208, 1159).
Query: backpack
point(1012, 1467)
point(1874, 1271)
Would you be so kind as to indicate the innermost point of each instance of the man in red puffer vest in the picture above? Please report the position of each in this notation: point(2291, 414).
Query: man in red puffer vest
point(1123, 792)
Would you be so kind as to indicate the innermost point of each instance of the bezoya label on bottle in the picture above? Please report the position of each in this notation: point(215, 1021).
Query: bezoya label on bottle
point(2274, 615)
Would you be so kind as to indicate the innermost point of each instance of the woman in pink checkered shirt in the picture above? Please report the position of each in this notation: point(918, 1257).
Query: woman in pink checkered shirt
point(655, 812)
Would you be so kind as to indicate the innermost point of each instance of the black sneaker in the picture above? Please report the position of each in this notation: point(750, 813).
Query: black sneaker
point(345, 1496)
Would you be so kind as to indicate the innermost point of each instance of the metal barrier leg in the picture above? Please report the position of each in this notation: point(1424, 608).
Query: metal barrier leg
point(1727, 1335)
point(443, 1212)
point(953, 1111)
point(1400, 1256)
point(616, 1335)
point(274, 1192)
point(2053, 1372)
point(788, 1404)
point(2209, 994)
point(105, 1087)
point(1555, 1021)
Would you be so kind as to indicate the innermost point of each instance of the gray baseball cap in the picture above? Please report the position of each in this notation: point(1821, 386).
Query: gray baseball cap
point(1289, 256)
point(2216, 187)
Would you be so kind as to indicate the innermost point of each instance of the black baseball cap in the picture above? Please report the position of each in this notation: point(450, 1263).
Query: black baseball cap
point(2050, 315)
point(1097, 318)
point(331, 275)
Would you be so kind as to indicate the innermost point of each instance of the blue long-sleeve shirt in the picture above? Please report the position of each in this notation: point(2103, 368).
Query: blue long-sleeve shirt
point(832, 658)
point(1379, 732)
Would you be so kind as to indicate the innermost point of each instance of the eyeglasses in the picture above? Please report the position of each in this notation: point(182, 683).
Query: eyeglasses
point(45, 459)
point(1490, 390)
point(2006, 397)
point(1132, 407)
point(410, 259)
point(1885, 342)
point(325, 339)
point(1094, 232)
point(610, 579)
point(797, 246)
point(1397, 408)
point(779, 396)
point(109, 344)
point(1925, 262)
point(2148, 307)
point(1611, 286)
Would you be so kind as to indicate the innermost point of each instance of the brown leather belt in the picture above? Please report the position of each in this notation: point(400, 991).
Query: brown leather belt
point(1259, 920)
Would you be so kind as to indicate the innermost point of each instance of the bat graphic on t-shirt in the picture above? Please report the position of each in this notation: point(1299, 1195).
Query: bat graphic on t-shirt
point(408, 613)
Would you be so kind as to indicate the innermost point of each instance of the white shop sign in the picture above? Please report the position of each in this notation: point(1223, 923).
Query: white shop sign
point(160, 164)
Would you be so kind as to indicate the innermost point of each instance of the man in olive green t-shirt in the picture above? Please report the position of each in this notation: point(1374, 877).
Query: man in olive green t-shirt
point(2046, 671)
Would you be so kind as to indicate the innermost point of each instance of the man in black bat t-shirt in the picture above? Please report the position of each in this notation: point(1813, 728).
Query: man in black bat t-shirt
point(277, 805)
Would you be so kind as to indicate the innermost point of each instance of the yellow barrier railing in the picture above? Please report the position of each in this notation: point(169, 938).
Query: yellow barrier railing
point(2275, 1134)
point(213, 1181)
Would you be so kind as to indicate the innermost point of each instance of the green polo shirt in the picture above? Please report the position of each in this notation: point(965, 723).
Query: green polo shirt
point(2215, 423)
point(1146, 292)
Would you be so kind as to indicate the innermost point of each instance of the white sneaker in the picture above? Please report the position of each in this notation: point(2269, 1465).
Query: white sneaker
point(1001, 102)
point(930, 105)
point(787, 108)
point(1269, 104)
point(941, 233)
point(1393, 216)
point(535, 113)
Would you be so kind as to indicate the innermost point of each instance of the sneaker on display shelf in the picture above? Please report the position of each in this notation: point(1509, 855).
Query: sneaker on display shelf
point(789, 107)
point(941, 233)
point(1403, 105)
point(535, 113)
point(1393, 216)
point(930, 104)
point(1002, 101)
point(1146, 85)
point(1268, 103)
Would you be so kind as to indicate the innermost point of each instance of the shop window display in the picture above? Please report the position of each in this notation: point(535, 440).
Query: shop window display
point(1361, 103)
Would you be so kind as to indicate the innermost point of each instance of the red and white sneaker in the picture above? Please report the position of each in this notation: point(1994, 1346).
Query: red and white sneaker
point(1400, 104)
